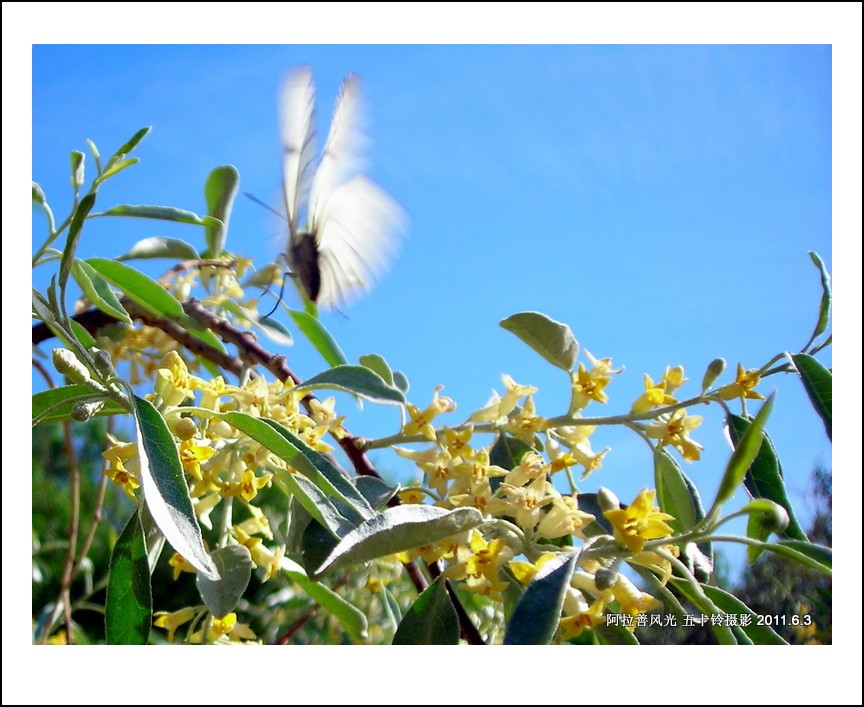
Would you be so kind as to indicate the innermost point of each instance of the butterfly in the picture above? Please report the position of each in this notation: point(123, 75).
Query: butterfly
point(343, 228)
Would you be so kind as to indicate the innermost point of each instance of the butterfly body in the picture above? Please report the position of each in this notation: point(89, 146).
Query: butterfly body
point(343, 228)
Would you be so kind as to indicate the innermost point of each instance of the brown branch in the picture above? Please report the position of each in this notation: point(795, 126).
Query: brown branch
point(75, 490)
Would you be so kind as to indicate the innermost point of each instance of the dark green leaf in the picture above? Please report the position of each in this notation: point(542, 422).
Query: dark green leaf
point(60, 401)
point(599, 526)
point(536, 617)
point(808, 554)
point(352, 619)
point(132, 142)
point(400, 380)
point(97, 289)
point(220, 190)
point(743, 455)
point(234, 564)
point(165, 489)
point(764, 478)
point(161, 248)
point(77, 223)
point(552, 340)
point(319, 337)
point(759, 635)
point(611, 635)
point(313, 465)
point(512, 593)
point(376, 491)
point(315, 503)
point(397, 529)
point(507, 452)
point(817, 382)
point(128, 599)
point(431, 620)
point(673, 493)
point(316, 545)
point(357, 380)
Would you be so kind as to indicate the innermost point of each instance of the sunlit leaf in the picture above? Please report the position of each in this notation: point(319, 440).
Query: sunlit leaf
point(552, 340)
point(431, 620)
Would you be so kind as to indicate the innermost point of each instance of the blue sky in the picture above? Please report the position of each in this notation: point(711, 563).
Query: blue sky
point(659, 200)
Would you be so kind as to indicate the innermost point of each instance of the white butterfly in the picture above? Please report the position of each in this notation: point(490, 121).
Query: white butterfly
point(351, 225)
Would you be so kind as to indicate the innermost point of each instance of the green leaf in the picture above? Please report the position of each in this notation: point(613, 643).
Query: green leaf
point(400, 380)
point(165, 489)
point(552, 340)
point(97, 289)
point(377, 364)
point(431, 620)
point(139, 288)
point(397, 529)
point(588, 503)
point(316, 545)
point(77, 162)
point(825, 304)
point(611, 635)
point(765, 518)
point(352, 619)
point(38, 194)
point(743, 455)
point(77, 223)
point(115, 166)
point(157, 247)
point(808, 554)
point(95, 152)
point(221, 595)
point(507, 451)
point(673, 493)
point(132, 142)
point(60, 401)
point(376, 491)
point(313, 465)
point(220, 190)
point(128, 599)
point(357, 380)
point(764, 478)
point(319, 337)
point(162, 213)
point(315, 503)
point(759, 635)
point(817, 382)
point(83, 336)
point(512, 593)
point(536, 617)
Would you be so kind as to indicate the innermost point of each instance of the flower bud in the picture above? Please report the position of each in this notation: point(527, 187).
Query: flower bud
point(103, 362)
point(608, 501)
point(68, 364)
point(83, 411)
point(185, 428)
point(605, 578)
point(713, 372)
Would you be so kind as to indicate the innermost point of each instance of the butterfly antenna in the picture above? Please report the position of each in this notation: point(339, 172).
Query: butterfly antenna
point(278, 299)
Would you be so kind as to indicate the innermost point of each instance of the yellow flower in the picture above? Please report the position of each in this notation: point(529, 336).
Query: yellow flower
point(745, 382)
point(456, 442)
point(173, 383)
point(632, 600)
point(191, 456)
point(526, 423)
point(497, 409)
point(639, 522)
point(180, 564)
point(579, 615)
point(421, 421)
point(588, 385)
point(479, 563)
point(526, 501)
point(655, 395)
point(675, 430)
point(563, 518)
point(173, 620)
point(123, 479)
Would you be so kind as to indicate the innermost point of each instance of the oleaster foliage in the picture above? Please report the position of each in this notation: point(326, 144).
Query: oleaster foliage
point(252, 481)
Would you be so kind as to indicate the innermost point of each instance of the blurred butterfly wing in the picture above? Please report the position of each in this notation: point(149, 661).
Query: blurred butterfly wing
point(342, 157)
point(357, 233)
point(297, 125)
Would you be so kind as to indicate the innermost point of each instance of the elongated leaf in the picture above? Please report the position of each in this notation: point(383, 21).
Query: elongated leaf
point(84, 337)
point(60, 401)
point(612, 635)
point(115, 166)
point(97, 289)
point(234, 564)
point(397, 529)
point(165, 488)
point(536, 617)
point(357, 380)
point(319, 337)
point(316, 545)
point(162, 213)
point(316, 504)
point(220, 190)
point(377, 364)
point(764, 478)
point(157, 247)
point(138, 287)
point(552, 340)
point(743, 455)
point(808, 554)
point(817, 382)
point(376, 491)
point(759, 635)
point(673, 493)
point(74, 235)
point(132, 142)
point(825, 304)
point(128, 600)
point(431, 620)
point(313, 465)
point(95, 152)
point(352, 619)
